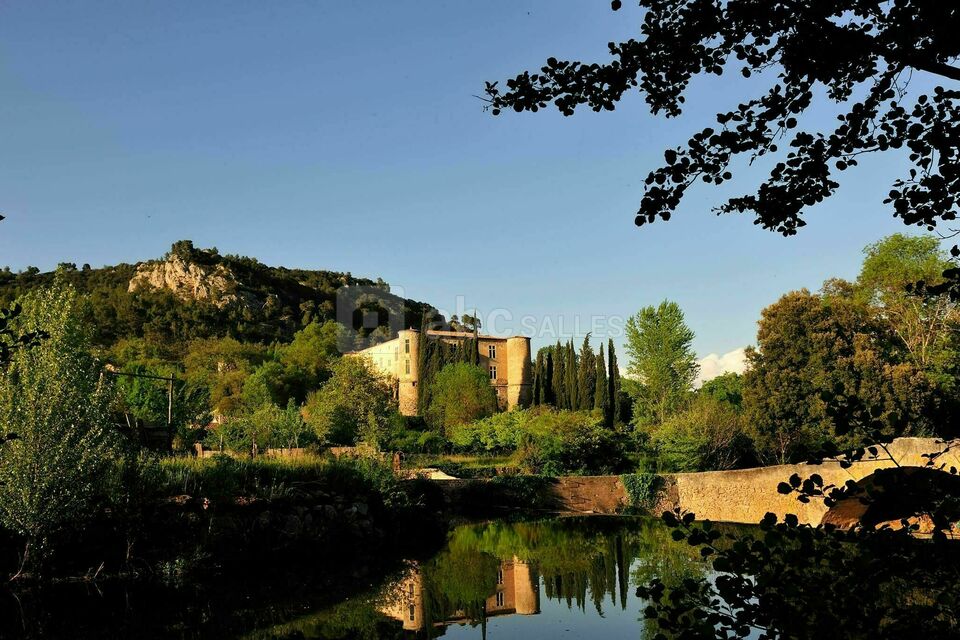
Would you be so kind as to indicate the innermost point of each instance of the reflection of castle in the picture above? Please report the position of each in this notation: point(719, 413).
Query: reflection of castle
point(507, 360)
point(516, 593)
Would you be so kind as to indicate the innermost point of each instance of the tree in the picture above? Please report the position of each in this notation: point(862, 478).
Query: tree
point(662, 360)
point(821, 362)
point(461, 393)
point(11, 340)
point(222, 365)
point(708, 435)
point(726, 388)
point(586, 376)
point(601, 393)
point(560, 389)
point(613, 386)
point(355, 404)
point(266, 426)
point(855, 53)
point(925, 322)
point(310, 353)
point(55, 399)
point(572, 395)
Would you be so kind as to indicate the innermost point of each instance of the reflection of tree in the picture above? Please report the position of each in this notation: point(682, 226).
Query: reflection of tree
point(585, 559)
point(456, 584)
point(578, 560)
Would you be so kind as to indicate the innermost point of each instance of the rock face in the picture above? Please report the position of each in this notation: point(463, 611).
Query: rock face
point(188, 281)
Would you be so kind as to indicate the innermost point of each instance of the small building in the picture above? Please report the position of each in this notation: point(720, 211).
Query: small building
point(507, 360)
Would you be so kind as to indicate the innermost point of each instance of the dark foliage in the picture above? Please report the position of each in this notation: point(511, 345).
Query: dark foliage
point(857, 53)
point(272, 304)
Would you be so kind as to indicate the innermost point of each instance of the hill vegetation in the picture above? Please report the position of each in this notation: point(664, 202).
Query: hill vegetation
point(193, 293)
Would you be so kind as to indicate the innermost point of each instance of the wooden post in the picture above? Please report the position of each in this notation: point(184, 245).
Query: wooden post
point(170, 410)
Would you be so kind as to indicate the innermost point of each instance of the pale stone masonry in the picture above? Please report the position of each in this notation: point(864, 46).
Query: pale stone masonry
point(506, 360)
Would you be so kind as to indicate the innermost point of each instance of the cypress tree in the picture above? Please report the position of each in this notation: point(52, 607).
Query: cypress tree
point(559, 377)
point(546, 388)
point(613, 383)
point(600, 398)
point(570, 371)
point(537, 377)
point(586, 376)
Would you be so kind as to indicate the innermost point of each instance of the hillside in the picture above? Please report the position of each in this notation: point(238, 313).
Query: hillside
point(198, 293)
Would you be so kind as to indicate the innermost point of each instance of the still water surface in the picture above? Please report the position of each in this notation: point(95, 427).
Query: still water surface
point(541, 580)
point(560, 578)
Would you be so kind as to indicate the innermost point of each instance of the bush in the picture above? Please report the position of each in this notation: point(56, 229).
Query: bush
point(223, 478)
point(498, 433)
point(460, 393)
point(411, 441)
point(570, 442)
point(549, 441)
point(268, 426)
point(709, 435)
point(642, 489)
point(355, 404)
point(55, 398)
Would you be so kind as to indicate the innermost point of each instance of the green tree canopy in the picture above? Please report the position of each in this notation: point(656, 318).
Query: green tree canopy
point(55, 398)
point(461, 393)
point(822, 362)
point(355, 404)
point(708, 435)
point(726, 388)
point(926, 323)
point(662, 360)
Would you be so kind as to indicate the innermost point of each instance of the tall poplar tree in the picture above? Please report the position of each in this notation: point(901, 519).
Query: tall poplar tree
point(662, 360)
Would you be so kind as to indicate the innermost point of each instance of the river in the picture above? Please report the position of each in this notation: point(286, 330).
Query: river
point(571, 577)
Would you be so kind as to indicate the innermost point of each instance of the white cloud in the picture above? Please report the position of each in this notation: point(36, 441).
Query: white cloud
point(714, 365)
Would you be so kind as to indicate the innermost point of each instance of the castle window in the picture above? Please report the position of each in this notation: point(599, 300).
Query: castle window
point(499, 598)
point(406, 345)
point(493, 373)
point(407, 365)
point(492, 351)
point(500, 576)
point(413, 613)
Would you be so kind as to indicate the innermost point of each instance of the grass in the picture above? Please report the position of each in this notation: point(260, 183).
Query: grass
point(470, 461)
point(222, 477)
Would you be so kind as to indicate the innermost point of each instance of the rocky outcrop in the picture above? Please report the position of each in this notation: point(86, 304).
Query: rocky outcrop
point(189, 281)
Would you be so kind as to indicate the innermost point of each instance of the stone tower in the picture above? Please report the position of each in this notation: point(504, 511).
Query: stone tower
point(526, 589)
point(519, 376)
point(407, 370)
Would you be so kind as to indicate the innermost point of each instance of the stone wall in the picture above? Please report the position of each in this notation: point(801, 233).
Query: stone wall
point(740, 496)
point(746, 495)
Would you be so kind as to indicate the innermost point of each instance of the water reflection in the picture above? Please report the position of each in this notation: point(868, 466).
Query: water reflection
point(572, 577)
point(549, 579)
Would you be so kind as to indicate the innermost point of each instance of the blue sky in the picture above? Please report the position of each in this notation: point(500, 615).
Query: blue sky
point(347, 136)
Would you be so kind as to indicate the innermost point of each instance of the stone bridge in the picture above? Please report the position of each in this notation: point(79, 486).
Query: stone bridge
point(745, 495)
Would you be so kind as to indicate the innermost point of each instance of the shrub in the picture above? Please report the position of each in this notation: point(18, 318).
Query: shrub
point(642, 489)
point(55, 398)
point(268, 426)
point(710, 434)
point(570, 442)
point(460, 393)
point(355, 404)
point(494, 434)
